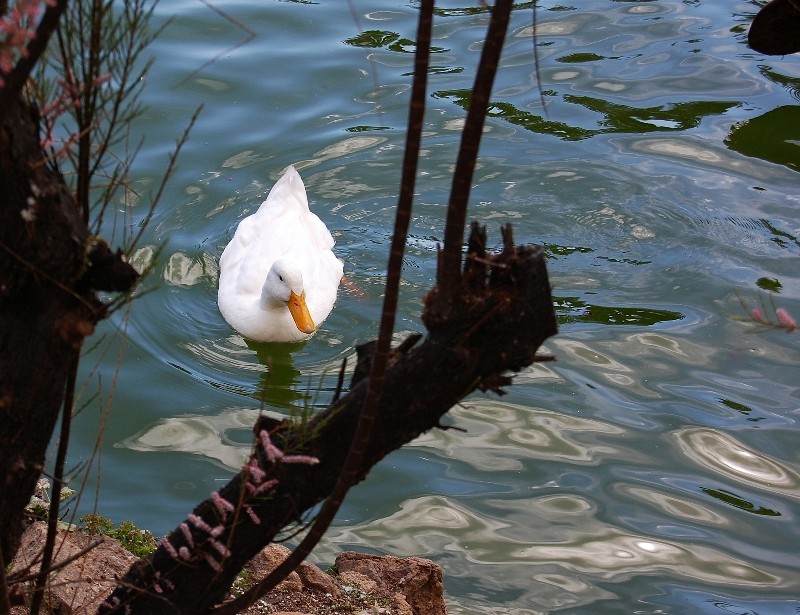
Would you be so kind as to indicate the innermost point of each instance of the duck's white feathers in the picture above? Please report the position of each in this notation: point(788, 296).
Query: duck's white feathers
point(283, 228)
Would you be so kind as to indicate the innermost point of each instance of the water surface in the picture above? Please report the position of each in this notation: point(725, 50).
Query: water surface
point(654, 467)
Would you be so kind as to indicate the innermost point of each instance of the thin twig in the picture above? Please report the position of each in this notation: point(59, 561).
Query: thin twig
point(450, 262)
point(171, 164)
point(58, 478)
point(388, 314)
point(251, 34)
point(535, 40)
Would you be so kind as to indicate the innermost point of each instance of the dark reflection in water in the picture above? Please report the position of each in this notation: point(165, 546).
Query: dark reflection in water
point(553, 250)
point(575, 58)
point(792, 84)
point(390, 40)
point(744, 409)
point(574, 309)
point(774, 137)
point(617, 118)
point(277, 384)
point(739, 502)
point(366, 128)
point(772, 285)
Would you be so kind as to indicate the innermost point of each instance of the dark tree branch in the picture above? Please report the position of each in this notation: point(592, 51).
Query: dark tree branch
point(58, 477)
point(506, 315)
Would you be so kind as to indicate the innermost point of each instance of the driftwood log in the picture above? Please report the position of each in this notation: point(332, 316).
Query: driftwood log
point(493, 322)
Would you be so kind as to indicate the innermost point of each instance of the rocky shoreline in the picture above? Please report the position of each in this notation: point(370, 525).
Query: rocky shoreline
point(360, 583)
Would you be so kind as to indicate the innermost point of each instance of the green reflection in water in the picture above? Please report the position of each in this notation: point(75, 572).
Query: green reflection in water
point(739, 502)
point(443, 70)
point(677, 116)
point(477, 9)
point(617, 118)
point(771, 285)
point(626, 261)
point(735, 405)
point(774, 137)
point(376, 39)
point(553, 250)
point(529, 121)
point(741, 408)
point(573, 309)
point(277, 386)
point(582, 57)
point(367, 128)
point(779, 237)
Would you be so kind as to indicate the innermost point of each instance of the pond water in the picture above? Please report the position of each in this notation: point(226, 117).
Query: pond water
point(655, 467)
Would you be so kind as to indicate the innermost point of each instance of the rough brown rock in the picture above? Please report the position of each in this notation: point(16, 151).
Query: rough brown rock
point(412, 582)
point(269, 559)
point(77, 587)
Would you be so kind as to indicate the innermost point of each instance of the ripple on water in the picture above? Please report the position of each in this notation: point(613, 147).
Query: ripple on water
point(672, 505)
point(204, 436)
point(723, 454)
point(698, 153)
point(555, 539)
point(500, 435)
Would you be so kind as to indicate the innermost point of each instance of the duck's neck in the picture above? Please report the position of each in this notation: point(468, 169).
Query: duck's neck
point(268, 299)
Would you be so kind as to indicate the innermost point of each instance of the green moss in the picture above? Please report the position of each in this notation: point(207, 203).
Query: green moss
point(242, 583)
point(139, 542)
point(96, 524)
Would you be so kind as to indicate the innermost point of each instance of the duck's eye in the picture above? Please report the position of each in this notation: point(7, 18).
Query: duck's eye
point(280, 277)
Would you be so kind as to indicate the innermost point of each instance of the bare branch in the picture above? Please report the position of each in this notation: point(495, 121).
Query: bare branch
point(450, 263)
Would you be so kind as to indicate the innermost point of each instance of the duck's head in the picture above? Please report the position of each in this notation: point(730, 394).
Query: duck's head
point(284, 289)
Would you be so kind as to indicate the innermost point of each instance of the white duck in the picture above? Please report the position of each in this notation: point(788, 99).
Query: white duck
point(278, 277)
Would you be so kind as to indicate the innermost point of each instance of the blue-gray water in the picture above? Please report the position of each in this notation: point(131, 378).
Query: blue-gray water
point(654, 468)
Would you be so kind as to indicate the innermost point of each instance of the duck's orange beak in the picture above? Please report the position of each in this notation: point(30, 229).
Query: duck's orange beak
point(300, 313)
